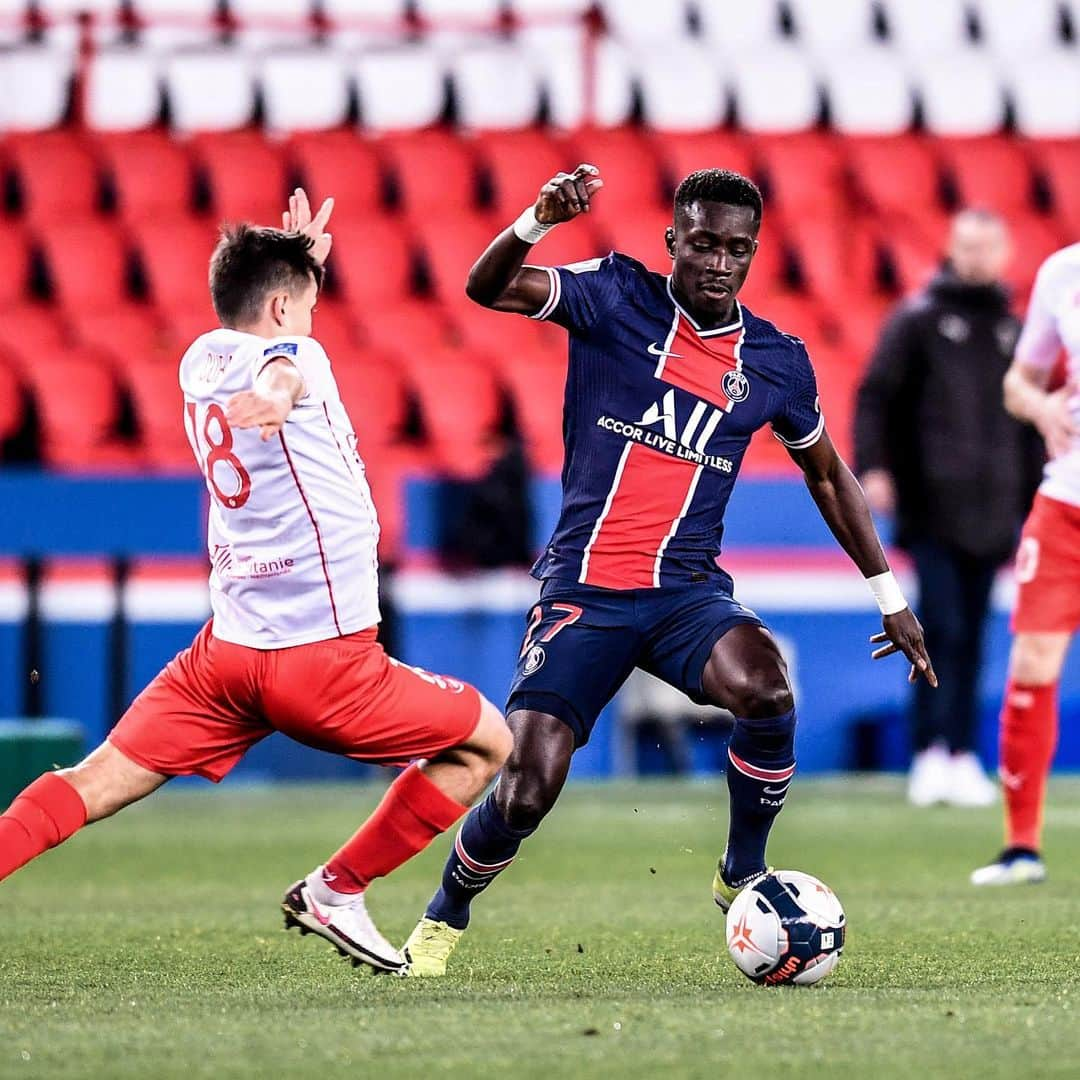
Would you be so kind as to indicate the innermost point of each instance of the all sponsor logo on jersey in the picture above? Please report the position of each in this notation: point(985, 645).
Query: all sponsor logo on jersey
point(249, 567)
point(534, 660)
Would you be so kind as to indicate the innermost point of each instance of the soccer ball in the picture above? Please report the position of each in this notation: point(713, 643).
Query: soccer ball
point(786, 927)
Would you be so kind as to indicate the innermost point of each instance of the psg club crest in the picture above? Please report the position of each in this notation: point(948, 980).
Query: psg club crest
point(534, 660)
point(736, 385)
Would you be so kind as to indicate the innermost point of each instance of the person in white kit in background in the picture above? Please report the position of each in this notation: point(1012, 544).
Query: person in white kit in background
point(1047, 610)
point(291, 646)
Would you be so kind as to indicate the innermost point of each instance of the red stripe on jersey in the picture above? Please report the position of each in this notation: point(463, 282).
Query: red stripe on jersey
point(699, 364)
point(648, 499)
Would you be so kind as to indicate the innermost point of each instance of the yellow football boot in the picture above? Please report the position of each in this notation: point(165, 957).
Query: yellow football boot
point(723, 893)
point(429, 948)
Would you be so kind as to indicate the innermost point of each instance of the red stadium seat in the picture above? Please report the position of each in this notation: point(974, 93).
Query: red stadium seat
point(77, 407)
point(990, 171)
point(682, 154)
point(535, 382)
point(12, 406)
point(832, 257)
point(15, 258)
point(159, 409)
point(860, 326)
point(373, 261)
point(131, 334)
point(88, 262)
point(335, 329)
point(804, 173)
point(641, 236)
point(577, 241)
point(629, 167)
point(1034, 238)
point(502, 336)
point(30, 333)
point(914, 259)
point(452, 246)
point(248, 176)
point(898, 178)
point(175, 254)
point(373, 390)
point(790, 312)
point(408, 327)
point(519, 164)
point(1059, 160)
point(151, 174)
point(433, 170)
point(57, 172)
point(341, 164)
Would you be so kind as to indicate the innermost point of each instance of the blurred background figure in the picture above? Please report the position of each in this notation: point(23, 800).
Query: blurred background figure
point(936, 448)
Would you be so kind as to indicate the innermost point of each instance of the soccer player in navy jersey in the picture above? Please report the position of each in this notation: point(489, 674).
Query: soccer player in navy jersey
point(669, 377)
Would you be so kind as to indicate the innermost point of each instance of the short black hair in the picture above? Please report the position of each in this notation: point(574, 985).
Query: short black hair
point(720, 186)
point(251, 261)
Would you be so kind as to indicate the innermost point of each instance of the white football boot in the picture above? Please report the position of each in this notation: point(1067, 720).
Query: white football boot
point(347, 926)
point(968, 783)
point(930, 776)
point(1012, 867)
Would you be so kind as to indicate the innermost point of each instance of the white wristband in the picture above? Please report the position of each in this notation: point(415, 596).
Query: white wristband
point(528, 230)
point(887, 593)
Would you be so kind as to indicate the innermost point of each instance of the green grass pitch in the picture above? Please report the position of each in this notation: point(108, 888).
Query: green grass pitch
point(152, 947)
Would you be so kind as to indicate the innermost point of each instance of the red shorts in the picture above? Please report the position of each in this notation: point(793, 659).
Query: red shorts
point(1048, 570)
point(215, 700)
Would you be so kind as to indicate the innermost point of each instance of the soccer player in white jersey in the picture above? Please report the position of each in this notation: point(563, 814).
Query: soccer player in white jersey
point(292, 644)
point(1047, 610)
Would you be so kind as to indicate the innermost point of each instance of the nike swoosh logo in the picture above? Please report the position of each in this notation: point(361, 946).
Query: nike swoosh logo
point(323, 920)
point(655, 350)
point(776, 790)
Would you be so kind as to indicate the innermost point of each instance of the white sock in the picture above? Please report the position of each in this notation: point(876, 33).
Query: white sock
point(325, 894)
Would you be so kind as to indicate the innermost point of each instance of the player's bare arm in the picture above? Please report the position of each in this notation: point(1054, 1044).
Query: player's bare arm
point(499, 279)
point(1027, 398)
point(278, 387)
point(843, 506)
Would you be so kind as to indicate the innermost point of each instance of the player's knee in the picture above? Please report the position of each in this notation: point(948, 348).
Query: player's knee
point(1036, 659)
point(107, 781)
point(525, 797)
point(758, 695)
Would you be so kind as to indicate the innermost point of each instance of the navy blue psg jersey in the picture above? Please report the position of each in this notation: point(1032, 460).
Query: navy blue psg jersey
point(657, 418)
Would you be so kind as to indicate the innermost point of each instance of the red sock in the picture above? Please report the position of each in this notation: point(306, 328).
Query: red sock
point(412, 813)
point(44, 815)
point(1029, 729)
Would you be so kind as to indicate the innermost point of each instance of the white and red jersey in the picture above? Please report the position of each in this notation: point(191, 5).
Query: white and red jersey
point(1053, 324)
point(292, 529)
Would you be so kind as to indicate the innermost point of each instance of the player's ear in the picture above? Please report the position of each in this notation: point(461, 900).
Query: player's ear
point(278, 304)
point(669, 237)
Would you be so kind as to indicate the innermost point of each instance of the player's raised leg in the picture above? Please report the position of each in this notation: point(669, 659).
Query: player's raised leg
point(746, 674)
point(58, 804)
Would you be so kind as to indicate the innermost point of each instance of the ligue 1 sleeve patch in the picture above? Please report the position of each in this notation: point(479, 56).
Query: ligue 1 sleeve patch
point(283, 348)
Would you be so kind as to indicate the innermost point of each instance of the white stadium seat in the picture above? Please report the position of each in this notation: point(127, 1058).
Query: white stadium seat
point(495, 87)
point(961, 93)
point(775, 90)
point(304, 89)
point(1015, 27)
point(34, 85)
point(59, 8)
point(734, 25)
point(633, 21)
point(481, 10)
point(665, 71)
point(549, 9)
point(829, 26)
point(171, 24)
point(210, 90)
point(869, 92)
point(923, 27)
point(1046, 94)
point(400, 88)
point(123, 89)
point(362, 24)
point(245, 11)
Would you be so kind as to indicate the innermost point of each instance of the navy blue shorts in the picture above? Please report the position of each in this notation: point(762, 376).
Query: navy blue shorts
point(581, 643)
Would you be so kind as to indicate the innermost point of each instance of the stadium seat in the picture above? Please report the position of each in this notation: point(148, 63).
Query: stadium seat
point(88, 262)
point(341, 164)
point(131, 334)
point(248, 176)
point(897, 177)
point(336, 329)
point(304, 89)
point(159, 412)
point(151, 174)
point(730, 29)
point(57, 173)
point(411, 326)
point(649, 24)
point(576, 243)
point(860, 325)
point(373, 261)
point(452, 246)
point(790, 312)
point(175, 255)
point(168, 25)
point(34, 87)
point(495, 87)
point(1044, 95)
point(830, 261)
point(921, 28)
point(1059, 161)
point(1034, 239)
point(123, 89)
point(12, 408)
point(960, 93)
point(518, 164)
point(664, 71)
point(77, 407)
point(501, 337)
point(913, 258)
point(992, 171)
point(15, 258)
point(535, 384)
point(844, 29)
point(473, 10)
point(682, 153)
point(803, 173)
point(373, 390)
point(775, 91)
point(400, 88)
point(1018, 31)
point(293, 13)
point(642, 236)
point(869, 92)
point(210, 90)
point(433, 170)
point(31, 331)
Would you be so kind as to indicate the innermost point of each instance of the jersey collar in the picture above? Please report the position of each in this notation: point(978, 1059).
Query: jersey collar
point(717, 331)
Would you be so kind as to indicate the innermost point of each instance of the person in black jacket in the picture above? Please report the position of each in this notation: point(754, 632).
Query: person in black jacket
point(935, 447)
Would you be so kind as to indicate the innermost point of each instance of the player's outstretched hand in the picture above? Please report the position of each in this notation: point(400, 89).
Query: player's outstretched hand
point(904, 634)
point(250, 409)
point(566, 195)
point(298, 219)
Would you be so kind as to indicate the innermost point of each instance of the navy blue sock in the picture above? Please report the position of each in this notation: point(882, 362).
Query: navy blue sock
point(761, 762)
point(484, 847)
